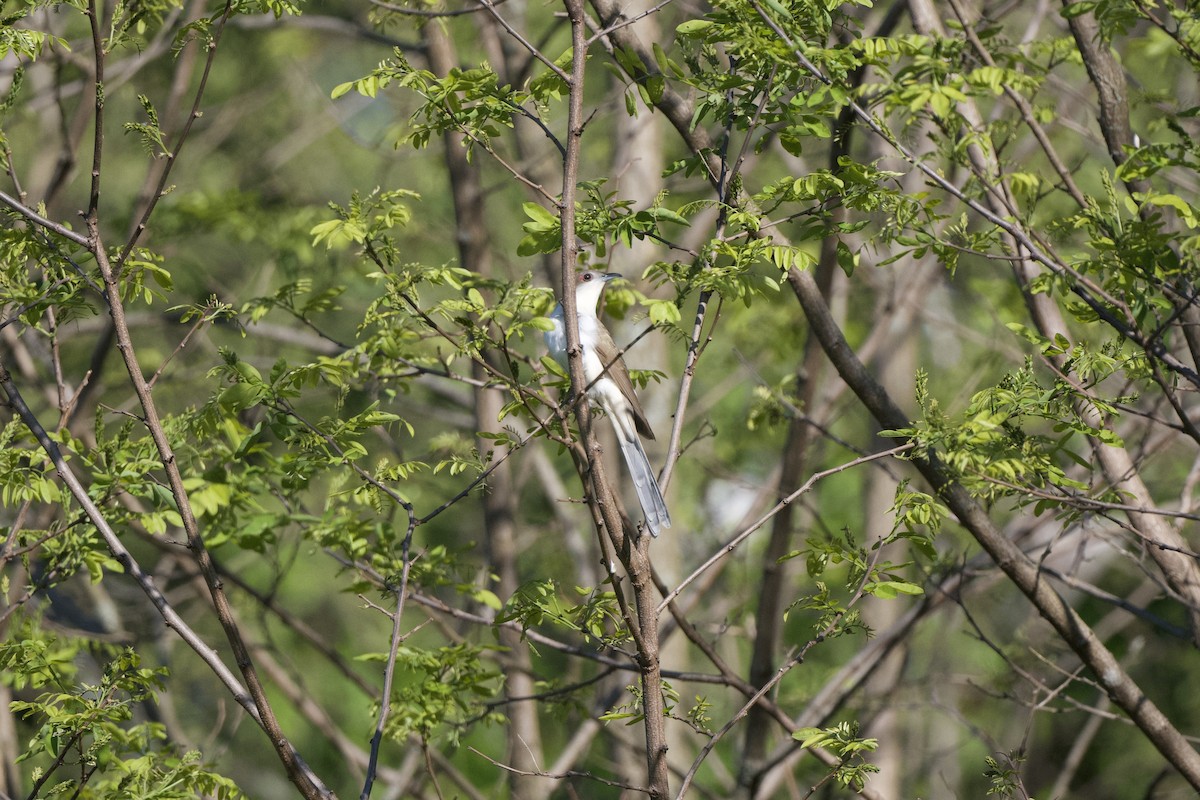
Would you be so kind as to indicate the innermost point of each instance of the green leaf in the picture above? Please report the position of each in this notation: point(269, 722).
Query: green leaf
point(665, 214)
point(541, 218)
point(694, 28)
point(1078, 9)
point(846, 259)
point(800, 734)
point(887, 590)
point(778, 8)
point(664, 312)
point(488, 598)
point(240, 396)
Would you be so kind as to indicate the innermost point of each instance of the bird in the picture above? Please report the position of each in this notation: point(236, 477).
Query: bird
point(609, 387)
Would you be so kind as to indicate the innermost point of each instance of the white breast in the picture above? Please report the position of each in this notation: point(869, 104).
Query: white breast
point(556, 342)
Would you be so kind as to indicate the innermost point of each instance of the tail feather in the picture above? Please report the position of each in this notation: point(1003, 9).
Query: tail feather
point(649, 495)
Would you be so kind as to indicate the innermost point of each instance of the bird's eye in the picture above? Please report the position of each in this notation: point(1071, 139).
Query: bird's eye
point(587, 276)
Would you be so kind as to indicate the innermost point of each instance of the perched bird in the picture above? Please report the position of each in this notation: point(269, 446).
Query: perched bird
point(610, 388)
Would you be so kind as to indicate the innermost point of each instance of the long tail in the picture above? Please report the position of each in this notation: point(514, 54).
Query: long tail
point(649, 495)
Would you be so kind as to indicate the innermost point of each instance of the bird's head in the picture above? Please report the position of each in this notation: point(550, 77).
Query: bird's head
point(590, 285)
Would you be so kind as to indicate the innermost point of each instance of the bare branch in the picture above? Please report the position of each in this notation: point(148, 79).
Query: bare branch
point(558, 776)
point(745, 533)
point(56, 228)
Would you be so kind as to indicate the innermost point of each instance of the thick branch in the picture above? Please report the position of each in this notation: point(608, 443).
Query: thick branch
point(1019, 568)
point(1181, 572)
point(1109, 80)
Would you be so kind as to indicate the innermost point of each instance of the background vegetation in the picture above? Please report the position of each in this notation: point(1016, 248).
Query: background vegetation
point(292, 501)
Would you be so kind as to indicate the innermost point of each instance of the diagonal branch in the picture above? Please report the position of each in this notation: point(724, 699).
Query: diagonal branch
point(50, 225)
point(297, 770)
point(144, 580)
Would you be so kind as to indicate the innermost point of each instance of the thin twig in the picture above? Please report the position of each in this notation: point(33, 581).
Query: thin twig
point(558, 776)
point(389, 671)
point(56, 228)
point(425, 12)
point(536, 52)
point(622, 21)
point(171, 157)
point(740, 537)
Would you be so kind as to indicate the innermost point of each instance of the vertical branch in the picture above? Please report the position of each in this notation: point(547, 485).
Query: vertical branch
point(768, 618)
point(601, 495)
point(97, 143)
point(633, 550)
point(94, 19)
point(389, 671)
point(1108, 78)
